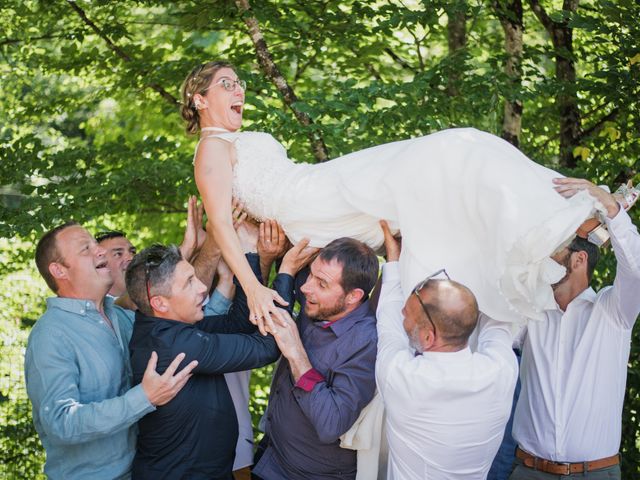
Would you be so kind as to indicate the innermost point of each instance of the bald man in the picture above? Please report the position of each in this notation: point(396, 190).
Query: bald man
point(446, 406)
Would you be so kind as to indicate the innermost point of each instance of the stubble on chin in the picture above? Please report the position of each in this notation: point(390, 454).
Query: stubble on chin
point(326, 313)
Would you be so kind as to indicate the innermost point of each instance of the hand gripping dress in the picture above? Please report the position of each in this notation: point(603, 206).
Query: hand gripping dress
point(463, 199)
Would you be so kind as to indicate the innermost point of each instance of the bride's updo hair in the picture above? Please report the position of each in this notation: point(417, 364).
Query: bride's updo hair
point(197, 82)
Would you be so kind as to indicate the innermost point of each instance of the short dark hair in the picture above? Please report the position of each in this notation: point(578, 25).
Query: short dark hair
point(579, 244)
point(454, 325)
point(47, 253)
point(151, 270)
point(359, 263)
point(107, 234)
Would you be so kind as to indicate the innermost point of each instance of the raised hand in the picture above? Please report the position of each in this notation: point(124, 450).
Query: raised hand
point(194, 234)
point(298, 257)
point(160, 389)
point(238, 214)
point(391, 244)
point(272, 242)
point(568, 187)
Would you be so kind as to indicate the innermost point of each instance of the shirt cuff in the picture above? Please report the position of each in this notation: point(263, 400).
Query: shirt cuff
point(391, 271)
point(309, 379)
point(621, 219)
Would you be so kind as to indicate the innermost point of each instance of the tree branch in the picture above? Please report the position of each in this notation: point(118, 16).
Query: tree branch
point(48, 36)
point(400, 61)
point(270, 69)
point(596, 127)
point(542, 15)
point(119, 51)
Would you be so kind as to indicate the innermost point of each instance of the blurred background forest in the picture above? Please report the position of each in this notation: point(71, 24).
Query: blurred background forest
point(91, 131)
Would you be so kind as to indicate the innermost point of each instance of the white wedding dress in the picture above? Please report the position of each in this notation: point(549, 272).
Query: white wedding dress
point(463, 200)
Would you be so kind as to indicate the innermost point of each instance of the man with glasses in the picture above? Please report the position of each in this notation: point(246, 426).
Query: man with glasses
point(574, 361)
point(77, 364)
point(446, 406)
point(194, 435)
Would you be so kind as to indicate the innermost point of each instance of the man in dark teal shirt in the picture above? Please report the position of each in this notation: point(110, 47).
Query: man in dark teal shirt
point(193, 436)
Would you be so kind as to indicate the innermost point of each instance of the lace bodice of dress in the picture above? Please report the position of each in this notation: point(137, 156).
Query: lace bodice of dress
point(261, 172)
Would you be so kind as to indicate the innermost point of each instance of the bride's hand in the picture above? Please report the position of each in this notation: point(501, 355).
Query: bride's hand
point(261, 305)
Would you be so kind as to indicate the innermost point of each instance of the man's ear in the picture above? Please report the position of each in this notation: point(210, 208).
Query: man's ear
point(579, 260)
point(354, 296)
point(159, 303)
point(57, 270)
point(427, 338)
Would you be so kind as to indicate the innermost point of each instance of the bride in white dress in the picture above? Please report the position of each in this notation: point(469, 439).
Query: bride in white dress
point(463, 199)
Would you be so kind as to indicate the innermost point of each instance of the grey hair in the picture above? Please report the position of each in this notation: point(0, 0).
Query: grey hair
point(151, 273)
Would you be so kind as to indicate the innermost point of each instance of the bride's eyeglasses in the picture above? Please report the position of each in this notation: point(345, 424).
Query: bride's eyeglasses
point(228, 84)
point(420, 286)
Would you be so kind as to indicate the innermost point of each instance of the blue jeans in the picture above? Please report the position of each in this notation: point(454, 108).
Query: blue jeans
point(503, 462)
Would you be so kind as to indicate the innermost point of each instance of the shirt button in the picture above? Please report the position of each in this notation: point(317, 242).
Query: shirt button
point(82, 311)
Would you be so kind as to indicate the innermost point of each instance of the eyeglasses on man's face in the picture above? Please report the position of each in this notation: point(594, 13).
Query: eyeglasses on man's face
point(420, 286)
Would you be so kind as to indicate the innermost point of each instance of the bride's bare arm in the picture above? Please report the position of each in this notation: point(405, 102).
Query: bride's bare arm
point(214, 176)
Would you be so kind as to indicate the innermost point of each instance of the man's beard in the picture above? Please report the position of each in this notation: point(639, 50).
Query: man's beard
point(324, 314)
point(567, 265)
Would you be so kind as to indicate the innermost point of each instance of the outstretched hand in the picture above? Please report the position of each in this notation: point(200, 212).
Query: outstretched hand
point(262, 307)
point(272, 241)
point(568, 187)
point(298, 257)
point(194, 234)
point(391, 244)
point(160, 389)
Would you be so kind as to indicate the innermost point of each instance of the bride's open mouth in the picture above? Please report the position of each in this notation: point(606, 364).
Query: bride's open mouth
point(237, 107)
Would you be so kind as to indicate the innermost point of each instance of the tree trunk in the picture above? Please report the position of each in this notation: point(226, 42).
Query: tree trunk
point(509, 13)
point(457, 40)
point(567, 98)
point(270, 69)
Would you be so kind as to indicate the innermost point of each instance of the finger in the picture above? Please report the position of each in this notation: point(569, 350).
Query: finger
point(385, 229)
point(177, 386)
point(302, 244)
point(279, 299)
point(173, 366)
point(268, 227)
point(152, 363)
point(281, 236)
point(261, 326)
point(278, 317)
point(269, 326)
point(200, 213)
point(186, 371)
point(262, 233)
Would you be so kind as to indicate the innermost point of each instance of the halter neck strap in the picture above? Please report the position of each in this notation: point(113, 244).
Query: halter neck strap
point(215, 129)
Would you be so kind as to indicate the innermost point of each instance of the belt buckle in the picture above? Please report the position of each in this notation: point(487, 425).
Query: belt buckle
point(566, 465)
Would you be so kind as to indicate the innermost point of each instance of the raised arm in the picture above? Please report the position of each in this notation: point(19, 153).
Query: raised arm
point(214, 176)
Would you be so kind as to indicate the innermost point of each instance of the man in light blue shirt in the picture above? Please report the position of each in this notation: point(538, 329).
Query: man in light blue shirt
point(77, 365)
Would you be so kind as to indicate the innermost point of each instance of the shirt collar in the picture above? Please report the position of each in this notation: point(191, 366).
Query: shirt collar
point(446, 356)
point(78, 306)
point(342, 325)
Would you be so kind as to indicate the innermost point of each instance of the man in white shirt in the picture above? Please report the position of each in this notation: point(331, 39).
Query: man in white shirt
point(574, 362)
point(446, 407)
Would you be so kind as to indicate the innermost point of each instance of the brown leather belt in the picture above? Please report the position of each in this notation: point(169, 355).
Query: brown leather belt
point(565, 468)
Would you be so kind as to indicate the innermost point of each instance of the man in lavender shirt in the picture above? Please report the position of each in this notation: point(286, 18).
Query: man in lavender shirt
point(327, 374)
